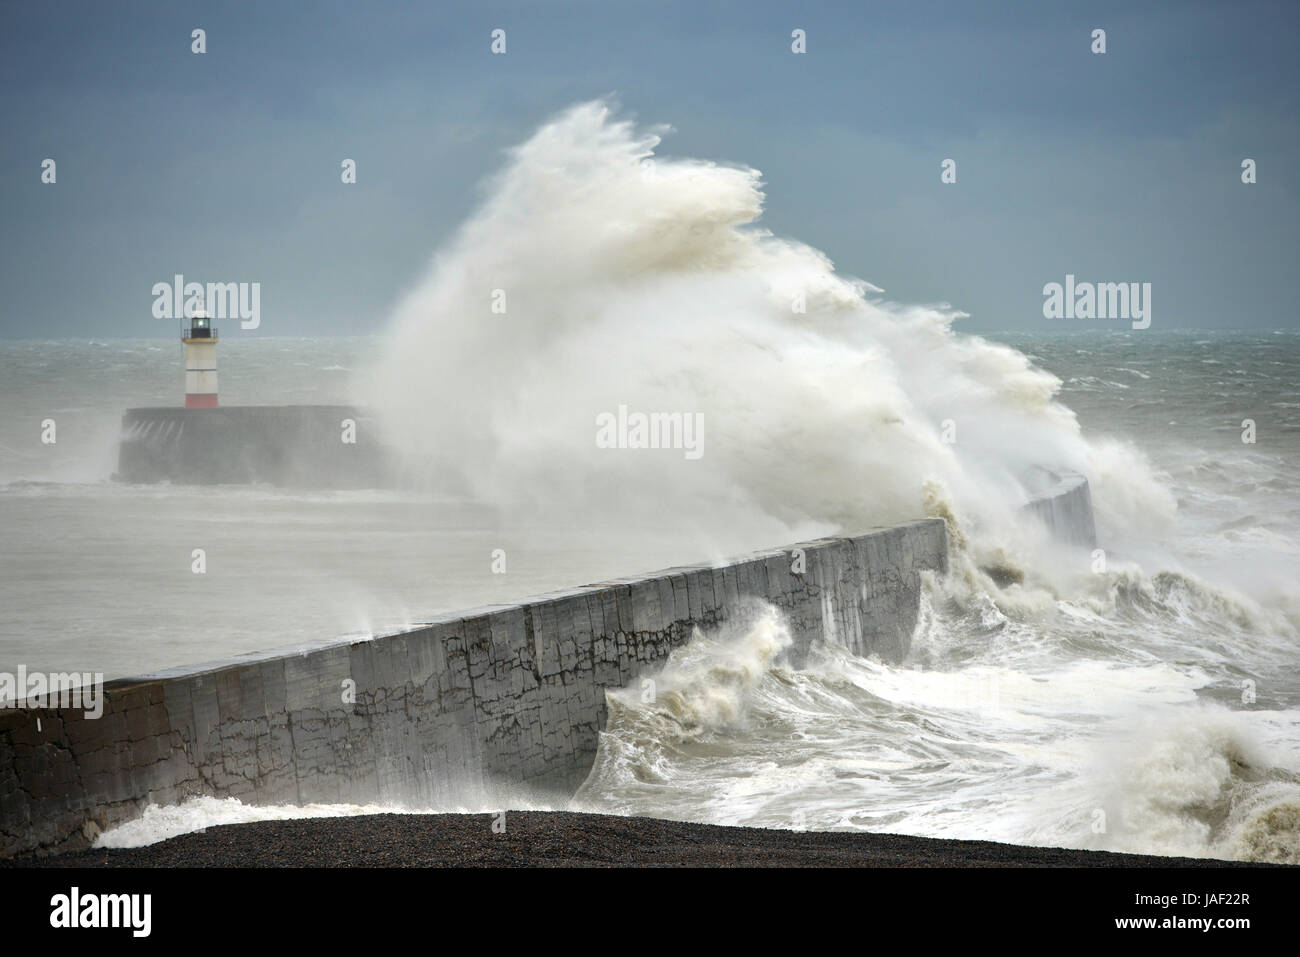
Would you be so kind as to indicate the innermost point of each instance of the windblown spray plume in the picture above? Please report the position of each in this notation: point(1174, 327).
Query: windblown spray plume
point(634, 280)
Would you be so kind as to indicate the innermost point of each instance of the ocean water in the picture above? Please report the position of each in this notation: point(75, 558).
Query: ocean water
point(96, 576)
point(1151, 708)
point(1147, 699)
point(1105, 713)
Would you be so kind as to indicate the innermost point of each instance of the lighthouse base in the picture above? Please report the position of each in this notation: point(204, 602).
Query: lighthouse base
point(317, 446)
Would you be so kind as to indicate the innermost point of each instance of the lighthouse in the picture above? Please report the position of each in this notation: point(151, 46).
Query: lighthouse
point(200, 362)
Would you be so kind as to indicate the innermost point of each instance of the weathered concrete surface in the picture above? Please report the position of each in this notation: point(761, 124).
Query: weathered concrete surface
point(508, 693)
point(1063, 503)
point(295, 445)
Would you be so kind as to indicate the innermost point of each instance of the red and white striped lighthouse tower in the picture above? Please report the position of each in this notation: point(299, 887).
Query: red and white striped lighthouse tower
point(200, 362)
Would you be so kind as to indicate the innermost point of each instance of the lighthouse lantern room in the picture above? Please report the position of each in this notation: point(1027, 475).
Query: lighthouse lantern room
point(200, 340)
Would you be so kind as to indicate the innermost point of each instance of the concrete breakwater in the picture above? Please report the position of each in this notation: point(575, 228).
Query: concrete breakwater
point(1062, 501)
point(330, 446)
point(430, 716)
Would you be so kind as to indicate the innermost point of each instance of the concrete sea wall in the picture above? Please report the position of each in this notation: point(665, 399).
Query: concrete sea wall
point(1063, 503)
point(512, 693)
point(296, 445)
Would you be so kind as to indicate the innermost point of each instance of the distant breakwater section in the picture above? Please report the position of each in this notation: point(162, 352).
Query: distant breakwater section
point(435, 715)
point(1062, 501)
point(311, 446)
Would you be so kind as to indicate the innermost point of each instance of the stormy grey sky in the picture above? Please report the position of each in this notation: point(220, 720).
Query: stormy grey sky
point(225, 166)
